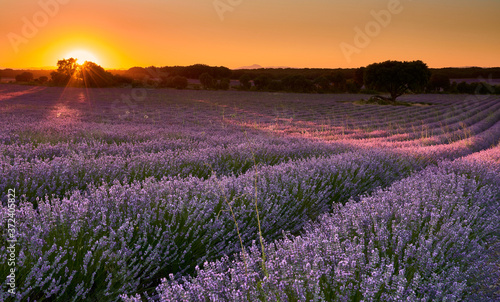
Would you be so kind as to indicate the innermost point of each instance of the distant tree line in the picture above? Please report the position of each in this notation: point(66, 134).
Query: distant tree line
point(391, 77)
point(195, 71)
point(308, 80)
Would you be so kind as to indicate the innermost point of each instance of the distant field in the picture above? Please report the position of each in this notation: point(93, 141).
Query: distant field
point(126, 191)
point(7, 80)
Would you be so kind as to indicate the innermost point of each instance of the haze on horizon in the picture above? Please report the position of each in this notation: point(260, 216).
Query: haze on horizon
point(314, 33)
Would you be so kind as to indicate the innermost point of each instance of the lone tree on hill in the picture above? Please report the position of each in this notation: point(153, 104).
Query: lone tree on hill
point(397, 77)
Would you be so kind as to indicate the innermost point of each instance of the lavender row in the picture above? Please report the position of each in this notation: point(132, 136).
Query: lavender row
point(430, 237)
point(435, 116)
point(464, 147)
point(454, 127)
point(61, 175)
point(37, 178)
point(123, 238)
point(114, 145)
point(490, 156)
point(392, 130)
point(468, 130)
point(443, 130)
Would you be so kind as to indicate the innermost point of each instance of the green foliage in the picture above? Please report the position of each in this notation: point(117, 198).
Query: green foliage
point(195, 71)
point(223, 84)
point(322, 84)
point(245, 81)
point(65, 70)
point(88, 74)
point(437, 82)
point(207, 81)
point(94, 75)
point(179, 82)
point(24, 77)
point(297, 83)
point(359, 76)
point(339, 81)
point(476, 88)
point(43, 79)
point(275, 85)
point(397, 77)
point(123, 80)
point(262, 82)
point(352, 86)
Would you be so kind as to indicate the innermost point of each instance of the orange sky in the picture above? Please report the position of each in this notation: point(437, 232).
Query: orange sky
point(294, 33)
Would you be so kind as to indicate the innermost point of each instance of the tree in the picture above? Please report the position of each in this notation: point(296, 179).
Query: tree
point(24, 77)
point(207, 81)
point(352, 86)
point(301, 84)
point(397, 77)
point(245, 81)
point(297, 83)
point(179, 82)
point(262, 82)
point(438, 82)
point(43, 79)
point(123, 80)
point(322, 83)
point(65, 70)
point(224, 84)
point(463, 87)
point(339, 81)
point(359, 76)
point(94, 75)
point(275, 85)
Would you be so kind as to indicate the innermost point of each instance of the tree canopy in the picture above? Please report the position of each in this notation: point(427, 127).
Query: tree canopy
point(397, 77)
point(94, 75)
point(24, 77)
point(65, 70)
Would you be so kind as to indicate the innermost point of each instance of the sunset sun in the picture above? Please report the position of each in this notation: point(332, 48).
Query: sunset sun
point(82, 56)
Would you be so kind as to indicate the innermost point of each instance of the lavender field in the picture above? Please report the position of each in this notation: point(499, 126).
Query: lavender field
point(149, 195)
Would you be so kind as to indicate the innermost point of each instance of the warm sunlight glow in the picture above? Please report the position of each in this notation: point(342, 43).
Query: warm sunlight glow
point(312, 34)
point(82, 56)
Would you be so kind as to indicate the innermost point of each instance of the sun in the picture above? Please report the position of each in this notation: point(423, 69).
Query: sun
point(82, 56)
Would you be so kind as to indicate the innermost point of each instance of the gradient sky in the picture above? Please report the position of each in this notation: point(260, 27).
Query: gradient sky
point(294, 33)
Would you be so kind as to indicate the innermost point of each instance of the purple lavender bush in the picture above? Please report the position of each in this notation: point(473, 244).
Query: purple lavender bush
point(430, 237)
point(60, 175)
point(126, 237)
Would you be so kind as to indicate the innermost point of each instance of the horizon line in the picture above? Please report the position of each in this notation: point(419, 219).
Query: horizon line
point(238, 68)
